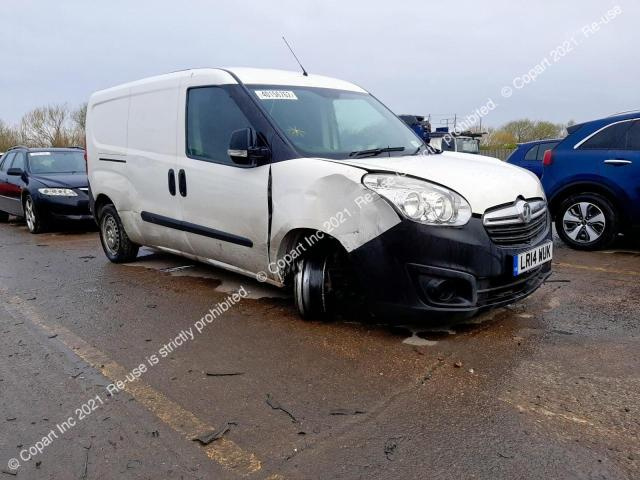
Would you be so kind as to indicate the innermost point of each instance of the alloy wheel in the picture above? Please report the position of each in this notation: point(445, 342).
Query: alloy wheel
point(584, 222)
point(30, 214)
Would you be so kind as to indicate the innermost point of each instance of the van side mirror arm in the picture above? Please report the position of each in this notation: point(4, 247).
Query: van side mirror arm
point(244, 149)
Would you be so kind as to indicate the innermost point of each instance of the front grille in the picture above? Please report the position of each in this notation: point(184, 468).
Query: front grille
point(512, 225)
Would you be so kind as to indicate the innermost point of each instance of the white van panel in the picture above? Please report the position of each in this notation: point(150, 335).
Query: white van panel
point(329, 197)
point(108, 132)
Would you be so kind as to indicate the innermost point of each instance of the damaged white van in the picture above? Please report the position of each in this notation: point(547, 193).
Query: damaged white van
point(310, 182)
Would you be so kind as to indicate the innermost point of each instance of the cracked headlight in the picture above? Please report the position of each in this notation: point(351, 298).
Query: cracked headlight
point(419, 200)
point(58, 192)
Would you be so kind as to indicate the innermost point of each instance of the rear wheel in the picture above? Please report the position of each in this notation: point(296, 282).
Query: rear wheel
point(587, 221)
point(115, 242)
point(4, 217)
point(36, 221)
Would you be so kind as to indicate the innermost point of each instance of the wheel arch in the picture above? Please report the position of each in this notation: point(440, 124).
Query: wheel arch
point(576, 188)
point(295, 244)
point(100, 201)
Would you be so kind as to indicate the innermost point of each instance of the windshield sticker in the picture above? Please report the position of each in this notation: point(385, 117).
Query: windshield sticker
point(39, 154)
point(276, 95)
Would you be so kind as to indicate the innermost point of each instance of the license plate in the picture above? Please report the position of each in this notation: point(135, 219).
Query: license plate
point(533, 258)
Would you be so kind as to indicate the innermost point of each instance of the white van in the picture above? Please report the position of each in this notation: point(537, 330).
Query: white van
point(310, 182)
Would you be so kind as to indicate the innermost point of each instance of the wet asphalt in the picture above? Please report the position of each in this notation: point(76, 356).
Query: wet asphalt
point(546, 388)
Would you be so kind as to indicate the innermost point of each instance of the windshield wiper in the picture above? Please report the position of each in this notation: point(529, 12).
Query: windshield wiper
point(375, 151)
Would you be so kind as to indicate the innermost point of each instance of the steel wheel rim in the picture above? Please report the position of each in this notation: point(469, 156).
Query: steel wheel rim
point(584, 222)
point(110, 234)
point(30, 214)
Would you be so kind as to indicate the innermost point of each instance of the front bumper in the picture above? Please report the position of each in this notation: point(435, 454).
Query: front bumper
point(414, 269)
point(65, 208)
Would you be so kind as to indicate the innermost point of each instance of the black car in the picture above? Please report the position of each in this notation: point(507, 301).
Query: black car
point(43, 185)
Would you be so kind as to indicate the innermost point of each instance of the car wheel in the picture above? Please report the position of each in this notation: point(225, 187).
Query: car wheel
point(4, 217)
point(311, 286)
point(587, 221)
point(36, 221)
point(115, 242)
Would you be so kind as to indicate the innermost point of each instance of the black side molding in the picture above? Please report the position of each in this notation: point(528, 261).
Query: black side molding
point(196, 229)
point(114, 160)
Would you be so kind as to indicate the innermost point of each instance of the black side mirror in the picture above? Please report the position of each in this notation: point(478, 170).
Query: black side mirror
point(244, 149)
point(15, 172)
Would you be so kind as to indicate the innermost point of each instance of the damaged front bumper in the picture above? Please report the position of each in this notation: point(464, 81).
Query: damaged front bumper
point(429, 271)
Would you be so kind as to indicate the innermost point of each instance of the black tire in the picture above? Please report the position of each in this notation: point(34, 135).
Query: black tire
point(4, 217)
point(115, 242)
point(37, 222)
point(310, 286)
point(587, 221)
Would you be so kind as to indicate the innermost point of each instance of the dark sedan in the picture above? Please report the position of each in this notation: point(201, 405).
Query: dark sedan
point(44, 185)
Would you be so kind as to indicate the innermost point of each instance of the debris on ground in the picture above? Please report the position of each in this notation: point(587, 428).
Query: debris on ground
point(344, 411)
point(471, 370)
point(223, 374)
point(391, 447)
point(53, 335)
point(276, 406)
point(458, 364)
point(9, 472)
point(212, 435)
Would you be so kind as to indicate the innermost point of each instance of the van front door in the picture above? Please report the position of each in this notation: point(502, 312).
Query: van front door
point(224, 206)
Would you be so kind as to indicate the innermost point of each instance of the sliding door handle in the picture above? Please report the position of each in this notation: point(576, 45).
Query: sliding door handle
point(172, 183)
point(182, 183)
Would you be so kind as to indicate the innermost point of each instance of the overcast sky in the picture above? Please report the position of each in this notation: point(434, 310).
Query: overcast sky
point(417, 56)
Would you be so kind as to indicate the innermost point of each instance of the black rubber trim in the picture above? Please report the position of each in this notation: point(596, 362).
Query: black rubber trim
point(114, 160)
point(196, 229)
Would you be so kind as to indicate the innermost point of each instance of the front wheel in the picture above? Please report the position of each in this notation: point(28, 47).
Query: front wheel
point(587, 221)
point(36, 221)
point(311, 286)
point(4, 217)
point(115, 242)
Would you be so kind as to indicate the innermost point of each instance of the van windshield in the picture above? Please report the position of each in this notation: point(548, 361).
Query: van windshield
point(322, 122)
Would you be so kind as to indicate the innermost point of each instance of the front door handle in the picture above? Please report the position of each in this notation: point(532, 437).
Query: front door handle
point(172, 183)
point(618, 161)
point(182, 183)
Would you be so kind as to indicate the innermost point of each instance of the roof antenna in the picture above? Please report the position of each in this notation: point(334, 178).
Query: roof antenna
point(304, 72)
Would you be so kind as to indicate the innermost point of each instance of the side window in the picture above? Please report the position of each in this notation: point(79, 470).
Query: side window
point(18, 161)
point(532, 153)
point(6, 161)
point(212, 116)
point(612, 137)
point(543, 147)
point(633, 136)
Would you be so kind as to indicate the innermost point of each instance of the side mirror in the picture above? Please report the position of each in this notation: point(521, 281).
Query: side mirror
point(15, 172)
point(244, 149)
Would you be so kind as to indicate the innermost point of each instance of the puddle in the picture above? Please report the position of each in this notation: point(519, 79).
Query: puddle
point(228, 282)
point(419, 342)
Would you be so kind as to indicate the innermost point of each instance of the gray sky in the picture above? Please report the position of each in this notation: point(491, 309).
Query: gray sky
point(418, 57)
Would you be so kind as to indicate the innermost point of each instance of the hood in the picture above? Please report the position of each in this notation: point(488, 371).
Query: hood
point(484, 182)
point(62, 180)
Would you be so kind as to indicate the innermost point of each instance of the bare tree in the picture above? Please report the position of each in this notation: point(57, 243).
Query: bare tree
point(47, 127)
point(9, 136)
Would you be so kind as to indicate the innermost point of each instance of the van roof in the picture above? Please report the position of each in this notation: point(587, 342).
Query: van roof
point(251, 76)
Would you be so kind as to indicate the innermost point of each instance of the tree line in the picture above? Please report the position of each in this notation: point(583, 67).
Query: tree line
point(49, 126)
point(524, 130)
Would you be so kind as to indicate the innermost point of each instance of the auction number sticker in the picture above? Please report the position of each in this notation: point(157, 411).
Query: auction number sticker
point(276, 95)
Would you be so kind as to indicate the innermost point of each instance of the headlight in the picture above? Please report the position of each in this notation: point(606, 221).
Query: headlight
point(58, 192)
point(420, 200)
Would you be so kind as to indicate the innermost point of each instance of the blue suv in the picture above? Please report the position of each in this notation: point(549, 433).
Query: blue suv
point(529, 155)
point(592, 181)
